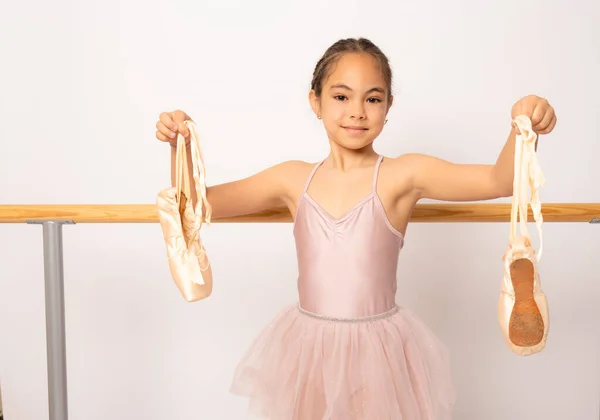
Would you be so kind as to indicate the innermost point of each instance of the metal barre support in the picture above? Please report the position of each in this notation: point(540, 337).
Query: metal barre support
point(56, 351)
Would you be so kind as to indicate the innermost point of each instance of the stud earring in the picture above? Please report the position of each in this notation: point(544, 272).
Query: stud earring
point(318, 117)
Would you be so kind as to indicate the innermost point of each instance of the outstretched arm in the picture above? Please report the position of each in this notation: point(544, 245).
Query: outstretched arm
point(264, 190)
point(439, 179)
point(271, 187)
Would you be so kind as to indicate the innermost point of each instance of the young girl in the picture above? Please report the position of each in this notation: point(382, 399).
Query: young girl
point(346, 350)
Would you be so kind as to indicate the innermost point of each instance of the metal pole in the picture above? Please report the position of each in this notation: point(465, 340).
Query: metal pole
point(55, 317)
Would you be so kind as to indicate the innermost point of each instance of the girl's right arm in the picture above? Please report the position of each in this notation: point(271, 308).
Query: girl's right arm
point(265, 190)
point(272, 187)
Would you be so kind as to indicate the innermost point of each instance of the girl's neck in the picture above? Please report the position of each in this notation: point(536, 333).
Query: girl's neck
point(344, 160)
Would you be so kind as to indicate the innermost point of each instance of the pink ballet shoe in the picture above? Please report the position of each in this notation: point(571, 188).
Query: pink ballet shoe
point(523, 307)
point(181, 223)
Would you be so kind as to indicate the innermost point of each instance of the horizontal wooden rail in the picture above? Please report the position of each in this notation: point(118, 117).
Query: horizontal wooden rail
point(423, 213)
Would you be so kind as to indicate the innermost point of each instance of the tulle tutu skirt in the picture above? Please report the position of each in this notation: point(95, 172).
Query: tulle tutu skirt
point(306, 368)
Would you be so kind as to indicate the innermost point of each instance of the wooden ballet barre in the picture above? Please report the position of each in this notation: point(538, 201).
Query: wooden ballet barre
point(53, 216)
point(423, 213)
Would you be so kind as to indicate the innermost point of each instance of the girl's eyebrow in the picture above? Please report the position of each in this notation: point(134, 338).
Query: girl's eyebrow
point(343, 86)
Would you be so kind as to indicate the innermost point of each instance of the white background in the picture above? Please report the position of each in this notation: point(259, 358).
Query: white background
point(82, 84)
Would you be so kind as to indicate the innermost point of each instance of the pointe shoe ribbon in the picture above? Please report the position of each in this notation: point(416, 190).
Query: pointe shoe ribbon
point(523, 307)
point(181, 222)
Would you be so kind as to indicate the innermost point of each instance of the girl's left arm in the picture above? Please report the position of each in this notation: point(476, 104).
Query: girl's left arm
point(439, 179)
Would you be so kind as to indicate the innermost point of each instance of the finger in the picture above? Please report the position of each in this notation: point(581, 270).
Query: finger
point(538, 113)
point(550, 127)
point(553, 123)
point(179, 121)
point(182, 129)
point(168, 121)
point(516, 128)
point(546, 119)
point(165, 131)
point(162, 137)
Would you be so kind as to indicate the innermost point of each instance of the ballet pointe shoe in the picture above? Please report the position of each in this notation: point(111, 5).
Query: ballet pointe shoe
point(523, 307)
point(188, 261)
point(181, 222)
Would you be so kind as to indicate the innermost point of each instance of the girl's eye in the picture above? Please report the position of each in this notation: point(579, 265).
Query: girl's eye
point(344, 98)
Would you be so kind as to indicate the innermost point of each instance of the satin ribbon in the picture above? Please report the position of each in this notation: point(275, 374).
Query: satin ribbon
point(527, 176)
point(199, 175)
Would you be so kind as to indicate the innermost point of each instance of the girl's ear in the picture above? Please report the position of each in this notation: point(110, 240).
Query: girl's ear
point(315, 103)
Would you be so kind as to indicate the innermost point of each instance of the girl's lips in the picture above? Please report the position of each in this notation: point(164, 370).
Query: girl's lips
point(355, 129)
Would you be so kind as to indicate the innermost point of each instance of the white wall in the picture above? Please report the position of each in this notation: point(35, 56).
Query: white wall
point(82, 84)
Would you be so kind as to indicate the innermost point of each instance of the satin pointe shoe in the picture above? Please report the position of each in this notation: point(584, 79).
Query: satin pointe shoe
point(181, 223)
point(523, 306)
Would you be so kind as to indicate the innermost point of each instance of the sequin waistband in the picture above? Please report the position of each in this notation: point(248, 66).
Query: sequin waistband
point(359, 319)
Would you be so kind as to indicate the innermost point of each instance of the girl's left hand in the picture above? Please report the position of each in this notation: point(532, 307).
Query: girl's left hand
point(539, 111)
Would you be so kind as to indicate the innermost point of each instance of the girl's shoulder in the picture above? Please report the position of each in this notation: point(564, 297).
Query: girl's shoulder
point(396, 178)
point(403, 165)
point(296, 168)
point(293, 174)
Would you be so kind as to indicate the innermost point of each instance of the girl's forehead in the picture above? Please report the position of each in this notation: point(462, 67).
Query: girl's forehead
point(356, 69)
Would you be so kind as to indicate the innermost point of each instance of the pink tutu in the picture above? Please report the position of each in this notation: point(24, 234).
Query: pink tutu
point(307, 368)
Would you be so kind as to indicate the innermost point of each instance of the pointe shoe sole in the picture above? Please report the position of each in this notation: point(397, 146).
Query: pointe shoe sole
point(526, 326)
point(523, 306)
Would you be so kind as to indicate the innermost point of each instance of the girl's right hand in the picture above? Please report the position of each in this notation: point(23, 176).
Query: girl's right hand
point(170, 124)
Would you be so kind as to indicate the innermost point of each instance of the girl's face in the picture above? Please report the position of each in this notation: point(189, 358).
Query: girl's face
point(354, 101)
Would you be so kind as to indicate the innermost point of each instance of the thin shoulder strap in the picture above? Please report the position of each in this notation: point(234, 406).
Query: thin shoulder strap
point(376, 173)
point(312, 174)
